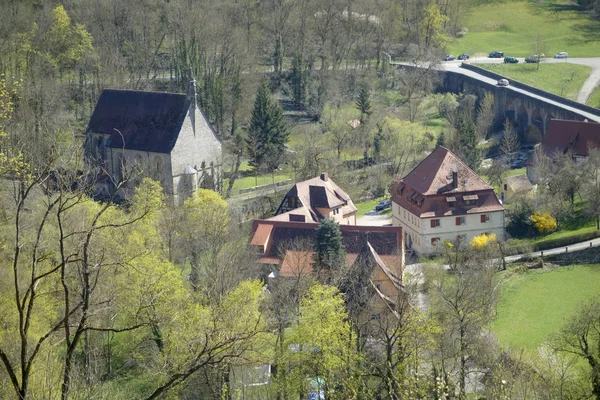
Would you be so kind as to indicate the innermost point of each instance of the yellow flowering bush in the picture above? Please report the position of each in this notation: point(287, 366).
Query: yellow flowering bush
point(482, 241)
point(544, 223)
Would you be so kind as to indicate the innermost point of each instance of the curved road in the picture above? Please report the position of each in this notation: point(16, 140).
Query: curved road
point(585, 91)
point(454, 66)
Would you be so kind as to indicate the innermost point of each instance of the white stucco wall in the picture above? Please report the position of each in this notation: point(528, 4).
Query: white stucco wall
point(419, 230)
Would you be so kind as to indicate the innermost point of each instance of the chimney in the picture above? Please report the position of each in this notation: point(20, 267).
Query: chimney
point(454, 176)
point(324, 177)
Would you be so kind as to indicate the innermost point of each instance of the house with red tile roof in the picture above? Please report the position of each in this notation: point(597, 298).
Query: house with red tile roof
point(442, 199)
point(562, 137)
point(287, 248)
point(316, 199)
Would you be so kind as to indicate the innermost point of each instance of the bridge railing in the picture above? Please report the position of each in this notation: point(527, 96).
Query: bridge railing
point(532, 89)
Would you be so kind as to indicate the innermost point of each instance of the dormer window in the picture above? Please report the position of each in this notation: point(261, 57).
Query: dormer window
point(470, 200)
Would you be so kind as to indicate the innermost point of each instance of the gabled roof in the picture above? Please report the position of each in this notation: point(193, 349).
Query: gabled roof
point(441, 185)
point(147, 121)
point(385, 240)
point(318, 192)
point(575, 136)
point(519, 183)
point(433, 175)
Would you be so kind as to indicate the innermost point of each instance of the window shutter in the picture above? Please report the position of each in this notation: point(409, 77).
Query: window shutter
point(457, 220)
point(483, 218)
point(433, 223)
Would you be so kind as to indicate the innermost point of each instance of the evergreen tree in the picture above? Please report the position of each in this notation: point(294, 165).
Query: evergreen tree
point(268, 134)
point(330, 255)
point(363, 103)
point(440, 140)
point(299, 80)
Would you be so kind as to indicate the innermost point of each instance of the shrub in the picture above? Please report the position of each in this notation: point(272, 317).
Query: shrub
point(482, 241)
point(565, 241)
point(544, 223)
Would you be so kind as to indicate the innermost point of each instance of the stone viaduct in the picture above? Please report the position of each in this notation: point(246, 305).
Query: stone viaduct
point(529, 108)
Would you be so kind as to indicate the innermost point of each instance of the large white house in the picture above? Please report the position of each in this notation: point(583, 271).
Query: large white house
point(442, 199)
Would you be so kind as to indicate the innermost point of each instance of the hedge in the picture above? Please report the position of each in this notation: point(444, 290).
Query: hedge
point(565, 241)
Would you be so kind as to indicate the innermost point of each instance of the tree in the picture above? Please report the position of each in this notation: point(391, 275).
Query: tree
point(403, 143)
point(485, 115)
point(581, 336)
point(591, 185)
point(65, 44)
point(208, 335)
point(464, 303)
point(510, 142)
point(544, 223)
point(418, 79)
point(330, 256)
point(363, 103)
point(431, 27)
point(539, 47)
point(267, 134)
point(322, 339)
point(465, 143)
point(299, 80)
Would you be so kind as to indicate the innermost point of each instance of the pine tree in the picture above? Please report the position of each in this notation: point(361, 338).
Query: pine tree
point(363, 103)
point(299, 80)
point(330, 255)
point(268, 134)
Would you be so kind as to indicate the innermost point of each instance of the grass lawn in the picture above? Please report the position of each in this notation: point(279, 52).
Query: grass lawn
point(594, 100)
point(512, 26)
point(366, 206)
point(561, 79)
point(248, 180)
point(534, 305)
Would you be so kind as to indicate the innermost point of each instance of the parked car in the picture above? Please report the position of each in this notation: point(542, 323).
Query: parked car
point(532, 59)
point(463, 57)
point(503, 82)
point(562, 54)
point(496, 54)
point(510, 60)
point(382, 205)
point(449, 58)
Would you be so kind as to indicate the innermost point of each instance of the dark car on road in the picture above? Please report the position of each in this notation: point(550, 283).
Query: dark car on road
point(449, 58)
point(532, 59)
point(496, 54)
point(510, 60)
point(382, 205)
point(463, 57)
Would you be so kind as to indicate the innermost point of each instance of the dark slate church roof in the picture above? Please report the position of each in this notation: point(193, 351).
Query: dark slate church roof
point(148, 121)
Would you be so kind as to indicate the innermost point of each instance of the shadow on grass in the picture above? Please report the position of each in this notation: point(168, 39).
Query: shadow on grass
point(589, 30)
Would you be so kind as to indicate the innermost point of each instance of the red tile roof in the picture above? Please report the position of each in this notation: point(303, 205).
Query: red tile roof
point(386, 240)
point(433, 175)
point(442, 180)
point(261, 235)
point(575, 136)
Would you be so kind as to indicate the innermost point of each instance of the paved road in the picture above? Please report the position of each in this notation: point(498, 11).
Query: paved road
point(558, 250)
point(375, 218)
point(455, 67)
point(585, 91)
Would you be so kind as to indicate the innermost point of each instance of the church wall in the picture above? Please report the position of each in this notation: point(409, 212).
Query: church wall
point(196, 144)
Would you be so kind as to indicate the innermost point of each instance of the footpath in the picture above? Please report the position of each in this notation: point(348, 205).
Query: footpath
point(557, 250)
